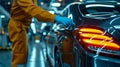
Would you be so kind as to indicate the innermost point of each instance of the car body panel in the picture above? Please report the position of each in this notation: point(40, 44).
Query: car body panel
point(103, 15)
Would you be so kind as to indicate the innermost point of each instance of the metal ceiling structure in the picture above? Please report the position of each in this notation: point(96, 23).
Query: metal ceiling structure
point(7, 3)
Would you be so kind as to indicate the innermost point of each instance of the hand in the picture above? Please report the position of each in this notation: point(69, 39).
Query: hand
point(64, 20)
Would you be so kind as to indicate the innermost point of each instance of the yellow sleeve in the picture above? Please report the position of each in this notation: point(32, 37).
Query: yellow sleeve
point(35, 11)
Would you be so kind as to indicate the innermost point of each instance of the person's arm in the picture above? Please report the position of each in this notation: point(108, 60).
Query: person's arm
point(42, 15)
point(36, 11)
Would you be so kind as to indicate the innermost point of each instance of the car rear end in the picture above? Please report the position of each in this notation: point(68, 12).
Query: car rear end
point(97, 38)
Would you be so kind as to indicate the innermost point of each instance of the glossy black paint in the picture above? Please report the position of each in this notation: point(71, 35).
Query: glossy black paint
point(106, 19)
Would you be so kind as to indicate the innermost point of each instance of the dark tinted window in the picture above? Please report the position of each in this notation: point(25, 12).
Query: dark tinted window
point(101, 9)
point(97, 8)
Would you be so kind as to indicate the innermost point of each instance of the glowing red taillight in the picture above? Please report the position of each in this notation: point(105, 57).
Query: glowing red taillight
point(91, 30)
point(97, 38)
point(100, 44)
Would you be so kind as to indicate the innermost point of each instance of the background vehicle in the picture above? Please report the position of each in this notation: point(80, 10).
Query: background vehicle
point(42, 34)
point(5, 43)
point(95, 42)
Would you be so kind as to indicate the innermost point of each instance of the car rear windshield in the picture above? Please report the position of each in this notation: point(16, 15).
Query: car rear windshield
point(96, 9)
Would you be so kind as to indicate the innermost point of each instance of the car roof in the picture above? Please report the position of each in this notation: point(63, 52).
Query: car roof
point(97, 2)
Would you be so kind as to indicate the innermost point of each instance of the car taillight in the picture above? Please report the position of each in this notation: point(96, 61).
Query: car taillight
point(96, 38)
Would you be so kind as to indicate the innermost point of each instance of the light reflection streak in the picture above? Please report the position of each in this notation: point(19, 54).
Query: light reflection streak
point(33, 57)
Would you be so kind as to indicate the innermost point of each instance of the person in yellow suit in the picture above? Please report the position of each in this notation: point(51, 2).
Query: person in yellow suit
point(22, 12)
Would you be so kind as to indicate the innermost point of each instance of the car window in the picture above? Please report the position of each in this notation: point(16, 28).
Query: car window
point(99, 10)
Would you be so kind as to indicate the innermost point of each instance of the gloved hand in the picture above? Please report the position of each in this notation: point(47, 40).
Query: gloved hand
point(64, 20)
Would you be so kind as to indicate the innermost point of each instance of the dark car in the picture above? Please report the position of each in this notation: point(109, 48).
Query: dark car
point(95, 42)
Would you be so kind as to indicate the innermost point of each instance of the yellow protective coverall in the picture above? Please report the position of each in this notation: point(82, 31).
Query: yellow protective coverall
point(22, 12)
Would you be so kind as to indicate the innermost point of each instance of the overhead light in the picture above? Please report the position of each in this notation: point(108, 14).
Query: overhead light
point(80, 0)
point(56, 4)
point(8, 3)
point(44, 33)
point(52, 12)
point(60, 0)
point(41, 3)
point(43, 25)
point(2, 16)
point(37, 41)
point(33, 27)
